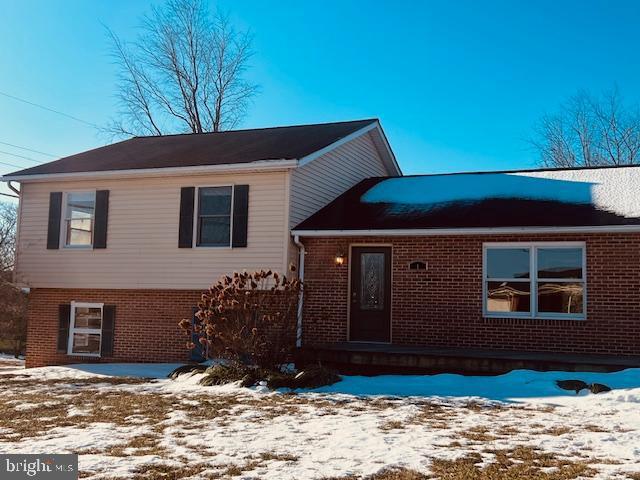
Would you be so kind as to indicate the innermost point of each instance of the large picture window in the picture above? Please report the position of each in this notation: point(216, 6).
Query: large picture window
point(537, 280)
point(214, 216)
point(79, 218)
point(85, 334)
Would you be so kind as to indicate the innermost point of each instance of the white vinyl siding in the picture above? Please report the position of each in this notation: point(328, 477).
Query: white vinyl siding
point(142, 250)
point(319, 182)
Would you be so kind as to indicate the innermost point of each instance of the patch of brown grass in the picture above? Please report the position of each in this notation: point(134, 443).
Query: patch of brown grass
point(478, 434)
point(507, 431)
point(280, 457)
point(51, 400)
point(161, 471)
point(31, 383)
point(50, 412)
point(398, 473)
point(392, 425)
point(520, 463)
point(594, 428)
point(557, 430)
point(140, 445)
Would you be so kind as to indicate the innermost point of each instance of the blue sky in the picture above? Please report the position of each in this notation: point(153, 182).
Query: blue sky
point(457, 85)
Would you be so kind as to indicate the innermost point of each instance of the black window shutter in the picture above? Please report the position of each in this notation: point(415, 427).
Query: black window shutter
point(101, 219)
point(197, 352)
point(55, 212)
point(240, 215)
point(185, 235)
point(64, 317)
point(108, 328)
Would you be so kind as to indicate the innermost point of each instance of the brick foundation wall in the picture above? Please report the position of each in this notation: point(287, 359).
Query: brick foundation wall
point(146, 324)
point(442, 306)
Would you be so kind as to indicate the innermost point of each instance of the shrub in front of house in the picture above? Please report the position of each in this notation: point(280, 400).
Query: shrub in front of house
point(248, 319)
point(247, 322)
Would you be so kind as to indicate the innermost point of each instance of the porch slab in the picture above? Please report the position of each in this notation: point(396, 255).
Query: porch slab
point(373, 358)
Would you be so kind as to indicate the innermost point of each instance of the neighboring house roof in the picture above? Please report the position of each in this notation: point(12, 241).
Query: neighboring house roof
point(484, 200)
point(232, 147)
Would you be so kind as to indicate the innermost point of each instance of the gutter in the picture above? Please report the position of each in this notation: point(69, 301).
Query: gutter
point(427, 232)
point(300, 245)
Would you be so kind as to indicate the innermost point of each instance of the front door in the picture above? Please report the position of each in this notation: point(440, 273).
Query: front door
point(370, 314)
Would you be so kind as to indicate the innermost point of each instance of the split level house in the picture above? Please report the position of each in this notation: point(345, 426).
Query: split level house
point(116, 245)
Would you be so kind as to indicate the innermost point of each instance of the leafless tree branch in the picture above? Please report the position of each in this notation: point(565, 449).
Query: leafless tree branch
point(8, 222)
point(185, 72)
point(589, 131)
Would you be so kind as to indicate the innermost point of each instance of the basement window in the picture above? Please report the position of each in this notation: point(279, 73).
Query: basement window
point(85, 332)
point(534, 280)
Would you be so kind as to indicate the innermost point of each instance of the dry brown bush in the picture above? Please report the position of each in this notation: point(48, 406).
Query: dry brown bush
point(248, 319)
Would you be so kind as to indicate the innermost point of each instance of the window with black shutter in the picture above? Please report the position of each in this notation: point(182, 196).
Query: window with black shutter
point(218, 216)
point(214, 216)
point(86, 329)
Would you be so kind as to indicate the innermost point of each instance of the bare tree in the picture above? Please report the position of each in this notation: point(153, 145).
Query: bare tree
point(184, 73)
point(589, 131)
point(13, 303)
point(8, 222)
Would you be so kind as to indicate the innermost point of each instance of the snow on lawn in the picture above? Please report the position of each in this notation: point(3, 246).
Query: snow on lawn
point(9, 362)
point(143, 424)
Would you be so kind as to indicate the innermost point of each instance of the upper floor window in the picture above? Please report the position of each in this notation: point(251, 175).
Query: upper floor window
point(214, 216)
point(537, 280)
point(79, 218)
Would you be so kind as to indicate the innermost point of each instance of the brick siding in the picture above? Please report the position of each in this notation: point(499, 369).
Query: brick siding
point(442, 306)
point(146, 324)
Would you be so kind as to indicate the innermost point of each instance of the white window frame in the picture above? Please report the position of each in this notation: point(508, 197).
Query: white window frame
point(64, 220)
point(533, 280)
point(196, 216)
point(93, 331)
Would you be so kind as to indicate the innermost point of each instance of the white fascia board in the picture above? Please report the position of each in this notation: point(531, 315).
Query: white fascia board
point(427, 232)
point(258, 166)
point(387, 145)
point(392, 163)
point(318, 153)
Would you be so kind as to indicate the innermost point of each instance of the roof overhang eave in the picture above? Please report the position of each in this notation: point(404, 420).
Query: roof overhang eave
point(257, 166)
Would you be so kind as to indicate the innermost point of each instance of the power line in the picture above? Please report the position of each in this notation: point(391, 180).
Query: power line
point(9, 195)
point(29, 149)
point(12, 165)
point(21, 156)
point(58, 112)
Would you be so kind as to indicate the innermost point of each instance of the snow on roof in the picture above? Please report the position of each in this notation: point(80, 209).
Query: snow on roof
point(614, 190)
point(533, 198)
point(441, 189)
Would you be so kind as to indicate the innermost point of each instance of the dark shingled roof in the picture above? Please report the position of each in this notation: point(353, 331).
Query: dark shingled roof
point(357, 209)
point(219, 148)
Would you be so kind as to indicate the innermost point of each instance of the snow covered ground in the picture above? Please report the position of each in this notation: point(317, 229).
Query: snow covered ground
point(128, 427)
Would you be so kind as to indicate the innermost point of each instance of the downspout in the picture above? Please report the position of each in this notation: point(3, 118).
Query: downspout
point(300, 245)
point(13, 189)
